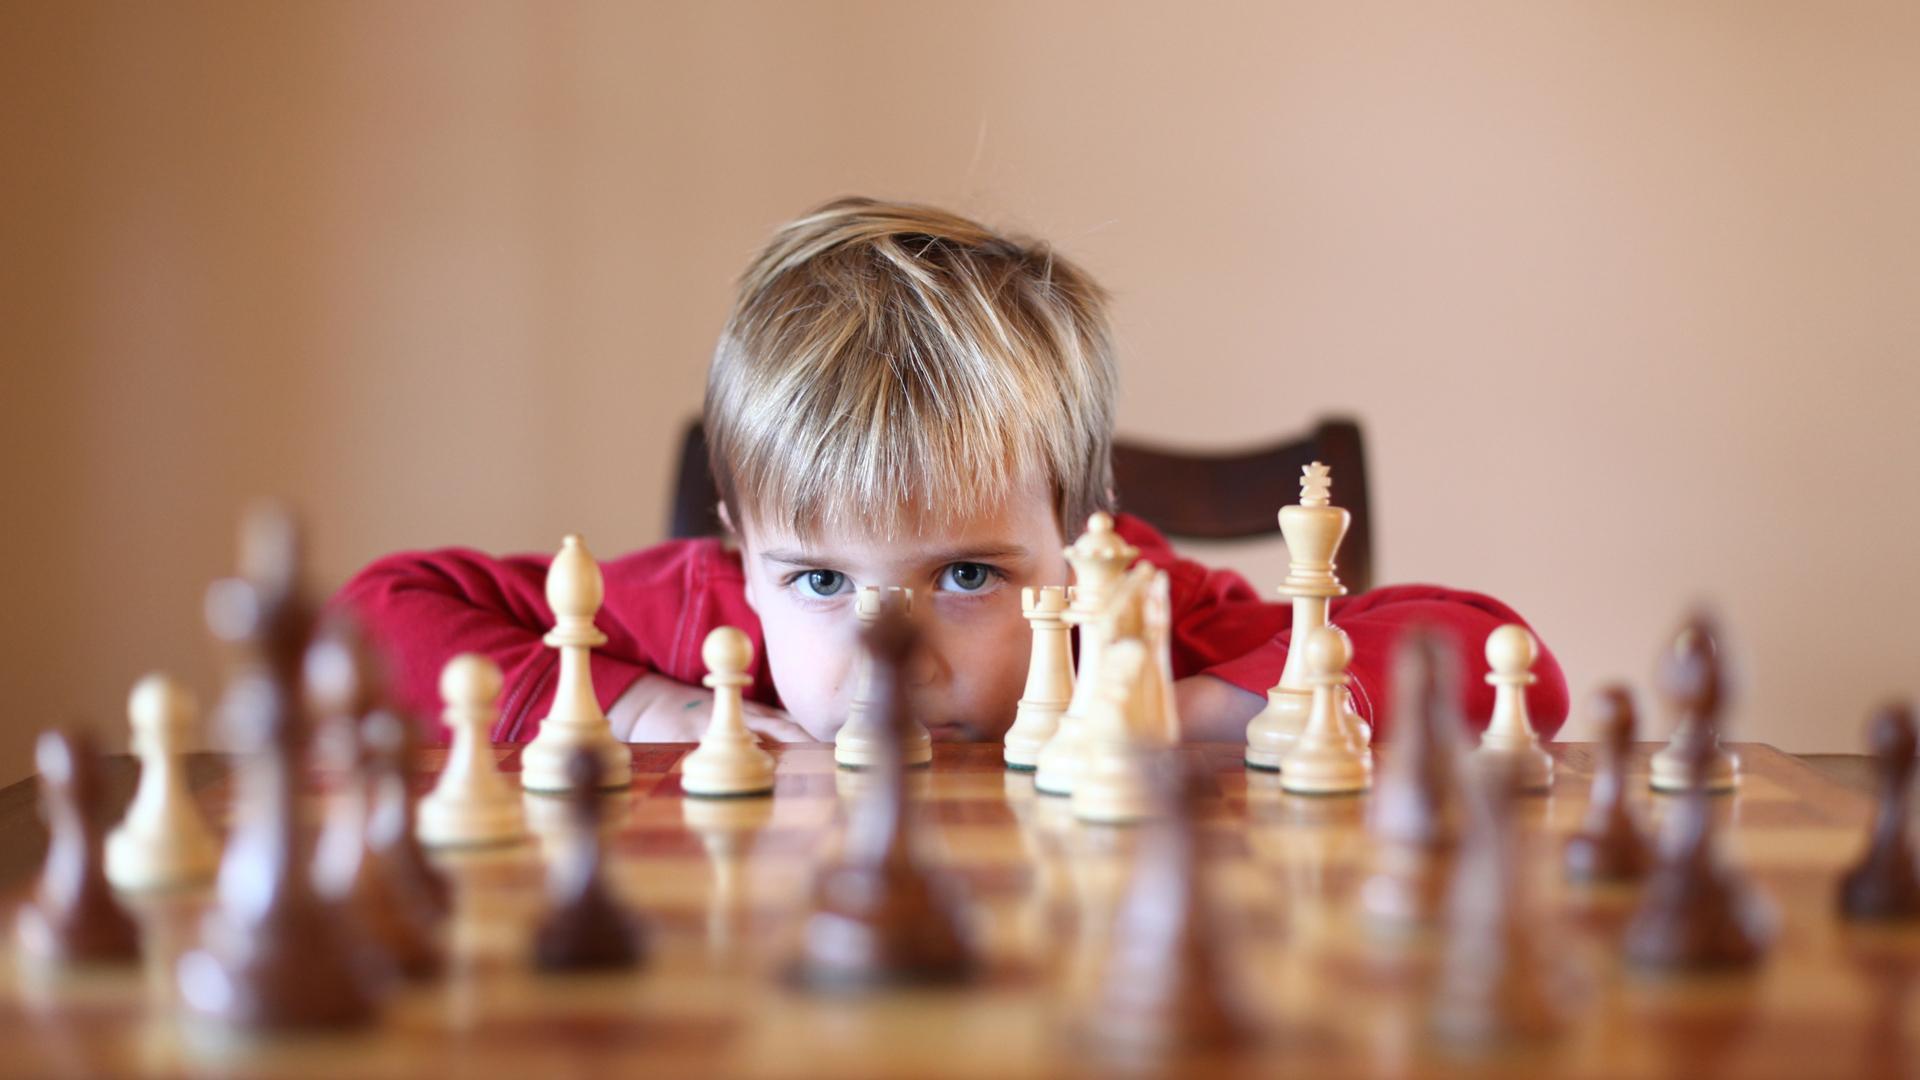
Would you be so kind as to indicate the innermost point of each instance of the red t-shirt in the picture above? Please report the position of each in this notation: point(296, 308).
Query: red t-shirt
point(426, 607)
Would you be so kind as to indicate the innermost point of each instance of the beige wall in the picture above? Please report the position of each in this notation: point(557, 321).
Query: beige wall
point(1624, 293)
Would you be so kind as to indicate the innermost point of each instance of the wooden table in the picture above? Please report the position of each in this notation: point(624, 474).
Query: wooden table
point(722, 883)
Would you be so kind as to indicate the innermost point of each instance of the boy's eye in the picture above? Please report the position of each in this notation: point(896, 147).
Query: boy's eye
point(821, 584)
point(968, 577)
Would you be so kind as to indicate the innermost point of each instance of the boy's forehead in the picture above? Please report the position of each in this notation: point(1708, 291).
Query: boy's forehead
point(1022, 524)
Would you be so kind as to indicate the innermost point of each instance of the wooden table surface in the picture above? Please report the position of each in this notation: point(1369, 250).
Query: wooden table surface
point(23, 835)
point(722, 885)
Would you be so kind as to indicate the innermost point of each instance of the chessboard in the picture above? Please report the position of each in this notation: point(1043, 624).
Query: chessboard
point(722, 885)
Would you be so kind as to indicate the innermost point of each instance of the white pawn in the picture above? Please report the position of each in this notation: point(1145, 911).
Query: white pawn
point(729, 760)
point(471, 804)
point(1511, 651)
point(1049, 676)
point(574, 592)
point(858, 744)
point(1328, 758)
point(163, 842)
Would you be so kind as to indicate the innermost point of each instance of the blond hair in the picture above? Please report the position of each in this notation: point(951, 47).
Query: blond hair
point(888, 365)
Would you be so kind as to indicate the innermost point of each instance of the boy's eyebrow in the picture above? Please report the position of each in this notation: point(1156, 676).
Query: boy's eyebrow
point(797, 557)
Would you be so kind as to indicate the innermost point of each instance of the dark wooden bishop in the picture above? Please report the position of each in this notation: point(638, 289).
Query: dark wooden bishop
point(585, 927)
point(1696, 912)
point(389, 910)
point(1610, 846)
point(878, 916)
point(1163, 990)
point(1885, 884)
point(73, 917)
point(273, 956)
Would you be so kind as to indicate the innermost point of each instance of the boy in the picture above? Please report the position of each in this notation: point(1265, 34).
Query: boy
point(899, 397)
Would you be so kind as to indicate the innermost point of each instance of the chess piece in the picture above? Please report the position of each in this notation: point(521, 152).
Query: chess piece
point(392, 832)
point(471, 805)
point(1142, 608)
point(585, 928)
point(72, 917)
point(1696, 912)
point(1327, 758)
point(1414, 815)
point(1163, 991)
point(273, 955)
point(878, 917)
point(164, 841)
point(1884, 885)
point(860, 743)
point(1692, 680)
point(396, 921)
point(1511, 652)
point(729, 759)
point(1114, 785)
point(574, 592)
point(1100, 558)
point(1610, 846)
point(1049, 676)
point(1494, 986)
point(1313, 529)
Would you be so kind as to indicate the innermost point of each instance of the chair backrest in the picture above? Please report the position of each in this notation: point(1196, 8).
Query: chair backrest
point(1197, 496)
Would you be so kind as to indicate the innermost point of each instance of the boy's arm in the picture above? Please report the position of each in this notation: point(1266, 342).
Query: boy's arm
point(656, 709)
point(1234, 646)
point(422, 609)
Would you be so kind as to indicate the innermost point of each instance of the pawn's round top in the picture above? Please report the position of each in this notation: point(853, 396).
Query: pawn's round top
point(574, 586)
point(1329, 650)
point(1100, 546)
point(470, 681)
point(727, 651)
point(1511, 650)
point(159, 702)
point(1891, 735)
point(1613, 714)
point(1690, 675)
point(57, 756)
point(336, 673)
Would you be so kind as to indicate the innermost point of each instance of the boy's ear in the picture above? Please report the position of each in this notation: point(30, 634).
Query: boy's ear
point(726, 519)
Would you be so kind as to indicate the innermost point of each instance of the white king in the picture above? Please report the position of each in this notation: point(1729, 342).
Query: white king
point(1313, 530)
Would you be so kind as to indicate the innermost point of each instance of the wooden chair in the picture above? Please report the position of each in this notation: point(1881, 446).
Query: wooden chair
point(1235, 496)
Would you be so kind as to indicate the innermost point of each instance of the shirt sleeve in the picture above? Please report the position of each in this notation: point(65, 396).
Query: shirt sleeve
point(1243, 641)
point(423, 608)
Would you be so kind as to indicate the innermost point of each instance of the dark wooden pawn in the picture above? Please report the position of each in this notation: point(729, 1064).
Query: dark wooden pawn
point(585, 927)
point(1611, 846)
point(73, 917)
point(1696, 912)
point(392, 920)
point(1885, 884)
point(878, 916)
point(1163, 991)
point(391, 746)
point(1415, 812)
point(1495, 985)
point(273, 954)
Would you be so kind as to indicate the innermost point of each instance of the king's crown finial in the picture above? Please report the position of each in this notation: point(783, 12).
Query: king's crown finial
point(1316, 485)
